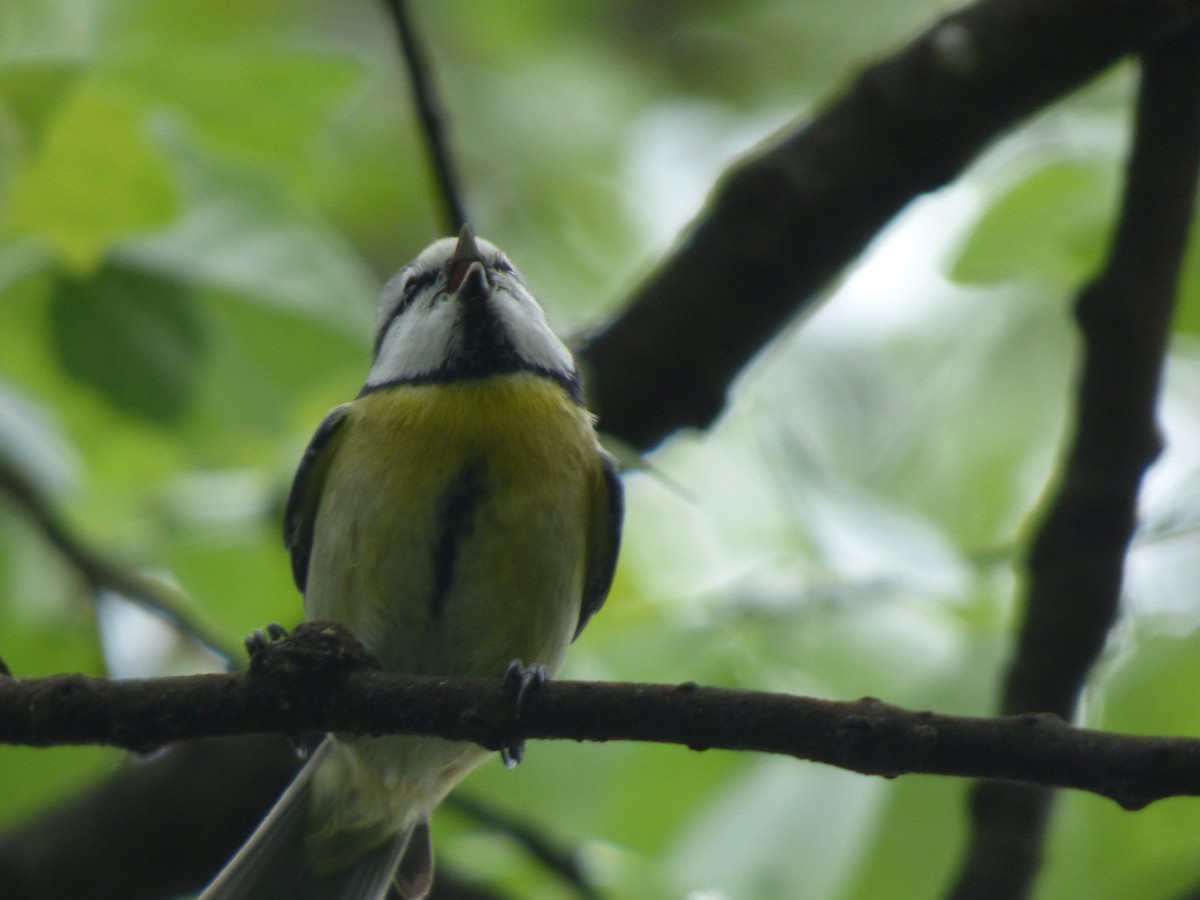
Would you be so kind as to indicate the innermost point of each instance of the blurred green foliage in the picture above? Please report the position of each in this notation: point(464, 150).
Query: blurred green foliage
point(197, 205)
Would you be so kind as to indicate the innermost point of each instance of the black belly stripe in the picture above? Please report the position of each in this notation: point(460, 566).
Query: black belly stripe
point(457, 514)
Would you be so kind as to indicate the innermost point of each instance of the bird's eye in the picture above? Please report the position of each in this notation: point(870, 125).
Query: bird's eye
point(415, 285)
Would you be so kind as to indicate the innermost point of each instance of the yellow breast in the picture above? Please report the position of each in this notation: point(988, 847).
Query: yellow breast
point(451, 534)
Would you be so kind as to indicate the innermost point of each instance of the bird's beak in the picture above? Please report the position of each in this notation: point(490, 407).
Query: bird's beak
point(467, 275)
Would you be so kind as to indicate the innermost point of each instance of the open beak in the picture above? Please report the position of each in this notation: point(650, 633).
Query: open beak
point(466, 273)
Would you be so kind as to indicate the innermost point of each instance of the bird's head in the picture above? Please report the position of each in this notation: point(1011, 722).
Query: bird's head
point(460, 310)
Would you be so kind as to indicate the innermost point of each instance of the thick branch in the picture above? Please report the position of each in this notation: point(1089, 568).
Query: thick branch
point(1077, 560)
point(299, 692)
point(790, 218)
point(786, 220)
point(161, 828)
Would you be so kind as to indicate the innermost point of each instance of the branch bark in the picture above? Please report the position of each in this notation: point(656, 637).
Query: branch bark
point(1076, 563)
point(156, 829)
point(783, 222)
point(317, 681)
point(125, 840)
point(778, 228)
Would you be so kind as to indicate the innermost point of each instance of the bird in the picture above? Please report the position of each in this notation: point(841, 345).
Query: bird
point(459, 515)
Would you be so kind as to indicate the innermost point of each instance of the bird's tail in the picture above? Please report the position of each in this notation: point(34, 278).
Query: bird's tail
point(273, 862)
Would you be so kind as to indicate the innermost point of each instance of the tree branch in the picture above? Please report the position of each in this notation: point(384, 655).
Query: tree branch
point(776, 231)
point(1076, 563)
point(431, 117)
point(784, 221)
point(311, 683)
point(160, 828)
point(560, 860)
point(124, 840)
point(102, 573)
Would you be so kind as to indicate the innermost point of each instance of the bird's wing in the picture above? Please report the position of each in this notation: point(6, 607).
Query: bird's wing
point(607, 514)
point(301, 516)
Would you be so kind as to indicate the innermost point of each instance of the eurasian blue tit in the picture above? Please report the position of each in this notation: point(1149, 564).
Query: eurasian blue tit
point(459, 514)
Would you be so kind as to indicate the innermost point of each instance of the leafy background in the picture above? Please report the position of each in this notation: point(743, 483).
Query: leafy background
point(197, 205)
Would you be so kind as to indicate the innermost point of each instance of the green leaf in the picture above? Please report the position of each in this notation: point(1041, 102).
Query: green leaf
point(1187, 318)
point(31, 439)
point(1099, 850)
point(47, 27)
point(780, 830)
point(243, 233)
point(917, 839)
point(35, 777)
point(135, 336)
point(32, 89)
point(97, 178)
point(240, 576)
point(268, 105)
point(1140, 694)
point(157, 23)
point(270, 372)
point(1052, 225)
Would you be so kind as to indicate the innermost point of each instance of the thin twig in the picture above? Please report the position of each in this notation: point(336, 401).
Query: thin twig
point(432, 118)
point(662, 368)
point(558, 859)
point(101, 573)
point(1077, 560)
point(448, 886)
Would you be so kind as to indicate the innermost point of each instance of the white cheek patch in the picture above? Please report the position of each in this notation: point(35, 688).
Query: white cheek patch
point(525, 325)
point(425, 332)
point(389, 298)
point(416, 343)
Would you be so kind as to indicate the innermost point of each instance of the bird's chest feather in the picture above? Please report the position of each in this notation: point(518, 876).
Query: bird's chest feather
point(451, 533)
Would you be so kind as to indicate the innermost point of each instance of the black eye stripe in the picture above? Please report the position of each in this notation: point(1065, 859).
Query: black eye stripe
point(415, 284)
point(421, 280)
point(411, 288)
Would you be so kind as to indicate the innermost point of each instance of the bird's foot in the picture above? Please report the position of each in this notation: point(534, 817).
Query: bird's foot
point(259, 644)
point(520, 680)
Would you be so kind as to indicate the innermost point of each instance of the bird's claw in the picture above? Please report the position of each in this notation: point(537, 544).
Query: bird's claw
point(259, 643)
point(520, 680)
